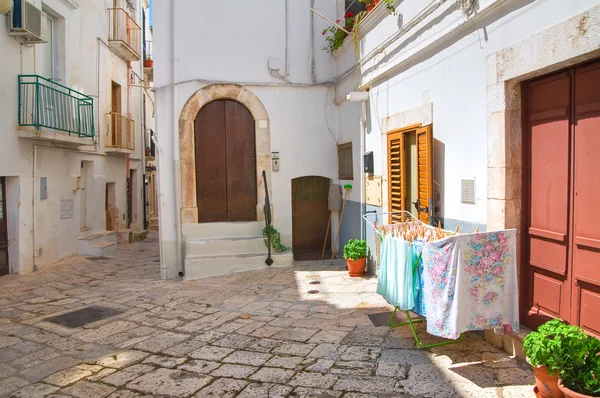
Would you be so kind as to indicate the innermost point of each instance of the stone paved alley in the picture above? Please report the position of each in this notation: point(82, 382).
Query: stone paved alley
point(253, 334)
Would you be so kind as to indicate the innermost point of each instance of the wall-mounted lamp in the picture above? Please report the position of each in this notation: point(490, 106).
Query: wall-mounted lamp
point(5, 6)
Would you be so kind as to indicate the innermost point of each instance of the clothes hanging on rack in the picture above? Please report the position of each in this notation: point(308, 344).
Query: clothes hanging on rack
point(470, 283)
point(396, 281)
point(417, 261)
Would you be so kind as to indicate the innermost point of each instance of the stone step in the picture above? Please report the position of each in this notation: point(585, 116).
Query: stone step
point(222, 230)
point(86, 245)
point(197, 267)
point(224, 246)
point(104, 249)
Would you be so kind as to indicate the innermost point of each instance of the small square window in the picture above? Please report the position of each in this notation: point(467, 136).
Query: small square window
point(345, 166)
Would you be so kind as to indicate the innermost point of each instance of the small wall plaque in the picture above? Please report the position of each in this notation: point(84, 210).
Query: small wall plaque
point(66, 208)
point(374, 191)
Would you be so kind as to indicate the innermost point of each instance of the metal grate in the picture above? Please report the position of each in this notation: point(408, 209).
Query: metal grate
point(84, 316)
point(467, 191)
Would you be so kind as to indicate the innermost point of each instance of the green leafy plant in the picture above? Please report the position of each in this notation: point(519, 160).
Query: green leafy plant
point(546, 347)
point(355, 249)
point(580, 363)
point(389, 4)
point(335, 36)
point(275, 240)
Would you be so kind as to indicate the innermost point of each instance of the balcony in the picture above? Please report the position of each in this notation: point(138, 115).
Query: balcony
point(53, 112)
point(120, 134)
point(149, 60)
point(124, 35)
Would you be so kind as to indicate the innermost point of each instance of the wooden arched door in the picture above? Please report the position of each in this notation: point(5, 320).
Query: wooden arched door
point(225, 163)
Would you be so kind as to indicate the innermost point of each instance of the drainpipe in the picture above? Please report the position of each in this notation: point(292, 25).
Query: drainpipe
point(33, 184)
point(313, 68)
point(363, 185)
point(176, 160)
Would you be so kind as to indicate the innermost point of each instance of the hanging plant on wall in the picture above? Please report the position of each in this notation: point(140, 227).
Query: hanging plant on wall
point(335, 36)
point(275, 240)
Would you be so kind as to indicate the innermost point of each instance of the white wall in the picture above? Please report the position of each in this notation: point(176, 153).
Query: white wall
point(87, 65)
point(232, 41)
point(451, 74)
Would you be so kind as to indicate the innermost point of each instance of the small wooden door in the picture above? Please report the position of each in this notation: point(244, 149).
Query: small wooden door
point(3, 229)
point(310, 213)
point(225, 163)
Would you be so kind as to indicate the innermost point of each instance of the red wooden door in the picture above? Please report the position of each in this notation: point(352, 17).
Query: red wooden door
point(225, 163)
point(563, 267)
point(548, 106)
point(586, 217)
point(3, 229)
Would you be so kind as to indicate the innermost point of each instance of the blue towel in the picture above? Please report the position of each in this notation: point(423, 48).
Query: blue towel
point(396, 281)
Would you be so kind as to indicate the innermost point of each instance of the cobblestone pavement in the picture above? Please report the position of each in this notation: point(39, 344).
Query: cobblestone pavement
point(253, 334)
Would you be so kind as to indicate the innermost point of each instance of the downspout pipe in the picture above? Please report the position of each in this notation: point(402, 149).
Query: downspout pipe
point(33, 206)
point(176, 160)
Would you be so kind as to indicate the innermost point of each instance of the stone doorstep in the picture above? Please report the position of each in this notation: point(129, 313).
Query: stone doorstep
point(511, 343)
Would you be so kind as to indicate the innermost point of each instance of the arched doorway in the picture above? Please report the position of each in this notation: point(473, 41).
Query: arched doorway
point(310, 214)
point(225, 155)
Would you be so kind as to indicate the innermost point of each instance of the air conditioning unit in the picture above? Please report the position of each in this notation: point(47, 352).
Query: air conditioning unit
point(27, 21)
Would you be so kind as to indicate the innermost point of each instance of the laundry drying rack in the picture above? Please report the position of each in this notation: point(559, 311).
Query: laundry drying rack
point(427, 231)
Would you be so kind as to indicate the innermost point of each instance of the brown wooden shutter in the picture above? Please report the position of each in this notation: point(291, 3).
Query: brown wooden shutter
point(395, 175)
point(425, 161)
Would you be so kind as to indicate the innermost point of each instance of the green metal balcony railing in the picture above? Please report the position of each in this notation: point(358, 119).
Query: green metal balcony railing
point(44, 103)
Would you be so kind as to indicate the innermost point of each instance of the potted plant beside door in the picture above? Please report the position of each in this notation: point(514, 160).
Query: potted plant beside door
point(545, 351)
point(580, 365)
point(355, 253)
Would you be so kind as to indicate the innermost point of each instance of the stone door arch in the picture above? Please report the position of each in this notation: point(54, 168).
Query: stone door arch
point(189, 205)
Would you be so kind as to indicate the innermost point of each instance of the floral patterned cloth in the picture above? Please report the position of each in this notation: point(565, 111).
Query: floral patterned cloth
point(470, 283)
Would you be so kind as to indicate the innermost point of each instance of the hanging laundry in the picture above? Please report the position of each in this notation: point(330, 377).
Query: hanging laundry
point(470, 283)
point(418, 282)
point(395, 282)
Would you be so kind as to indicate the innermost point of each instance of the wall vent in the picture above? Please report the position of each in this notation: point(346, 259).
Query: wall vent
point(467, 191)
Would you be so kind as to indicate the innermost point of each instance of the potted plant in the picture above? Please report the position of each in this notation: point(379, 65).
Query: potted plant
point(148, 62)
point(148, 151)
point(370, 4)
point(544, 350)
point(335, 36)
point(580, 365)
point(355, 253)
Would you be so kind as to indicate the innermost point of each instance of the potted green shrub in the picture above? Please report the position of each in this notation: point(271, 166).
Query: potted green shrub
point(580, 365)
point(544, 350)
point(355, 253)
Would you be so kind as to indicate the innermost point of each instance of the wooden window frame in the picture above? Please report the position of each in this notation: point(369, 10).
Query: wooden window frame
point(400, 134)
point(350, 175)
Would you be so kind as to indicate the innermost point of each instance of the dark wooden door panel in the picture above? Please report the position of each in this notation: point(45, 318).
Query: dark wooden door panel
point(310, 212)
point(586, 220)
point(548, 105)
point(241, 163)
point(211, 170)
point(3, 229)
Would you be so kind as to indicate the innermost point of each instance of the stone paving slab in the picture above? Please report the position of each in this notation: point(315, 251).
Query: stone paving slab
point(252, 334)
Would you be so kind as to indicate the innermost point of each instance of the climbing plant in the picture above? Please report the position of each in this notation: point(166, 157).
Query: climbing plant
point(275, 240)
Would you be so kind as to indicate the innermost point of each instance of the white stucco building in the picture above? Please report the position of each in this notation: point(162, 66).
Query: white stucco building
point(460, 92)
point(72, 121)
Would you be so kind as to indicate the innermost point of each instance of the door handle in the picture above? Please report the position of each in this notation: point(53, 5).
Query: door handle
point(420, 209)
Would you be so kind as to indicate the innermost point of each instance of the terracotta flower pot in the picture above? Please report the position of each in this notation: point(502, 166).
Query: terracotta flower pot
point(570, 394)
point(148, 63)
point(370, 7)
point(357, 267)
point(547, 385)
